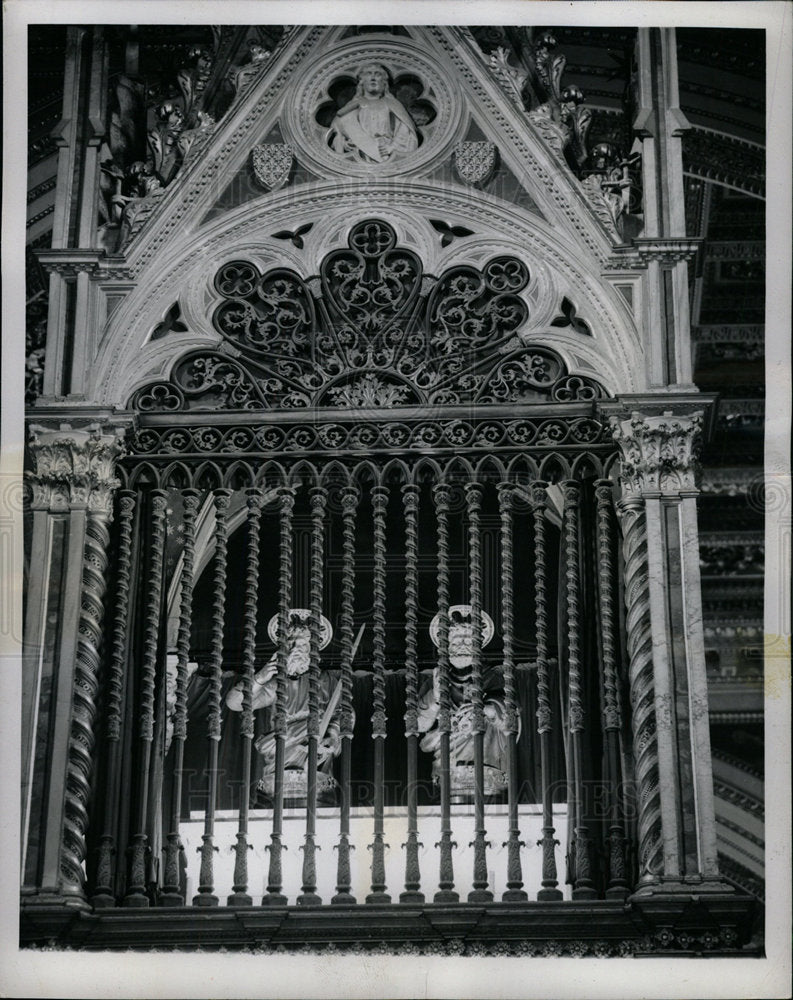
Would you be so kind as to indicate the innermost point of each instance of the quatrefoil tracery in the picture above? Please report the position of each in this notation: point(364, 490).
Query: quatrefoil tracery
point(378, 333)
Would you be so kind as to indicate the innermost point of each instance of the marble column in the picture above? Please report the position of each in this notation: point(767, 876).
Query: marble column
point(663, 246)
point(71, 501)
point(668, 684)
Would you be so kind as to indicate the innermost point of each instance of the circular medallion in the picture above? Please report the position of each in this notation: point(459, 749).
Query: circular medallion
point(372, 108)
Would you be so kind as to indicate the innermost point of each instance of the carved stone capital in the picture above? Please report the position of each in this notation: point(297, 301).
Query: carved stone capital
point(659, 452)
point(74, 468)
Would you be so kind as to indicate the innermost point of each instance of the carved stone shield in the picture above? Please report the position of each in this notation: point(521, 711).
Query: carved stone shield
point(272, 162)
point(475, 161)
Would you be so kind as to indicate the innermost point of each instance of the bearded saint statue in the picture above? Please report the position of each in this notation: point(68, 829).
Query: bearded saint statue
point(461, 737)
point(297, 645)
point(373, 127)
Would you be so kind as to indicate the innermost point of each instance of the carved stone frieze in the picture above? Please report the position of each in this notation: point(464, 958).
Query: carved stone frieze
point(74, 467)
point(353, 437)
point(659, 452)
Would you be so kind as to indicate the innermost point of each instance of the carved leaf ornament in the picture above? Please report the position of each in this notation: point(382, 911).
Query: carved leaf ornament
point(373, 332)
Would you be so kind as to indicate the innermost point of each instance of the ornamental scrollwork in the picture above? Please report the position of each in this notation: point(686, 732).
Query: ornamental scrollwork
point(371, 330)
point(164, 444)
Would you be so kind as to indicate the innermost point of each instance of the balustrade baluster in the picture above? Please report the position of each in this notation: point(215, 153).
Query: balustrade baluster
point(379, 498)
point(612, 721)
point(479, 893)
point(349, 504)
point(136, 893)
point(539, 500)
point(309, 896)
point(410, 502)
point(172, 893)
point(276, 847)
point(205, 895)
point(445, 893)
point(255, 499)
point(582, 886)
point(104, 893)
point(514, 892)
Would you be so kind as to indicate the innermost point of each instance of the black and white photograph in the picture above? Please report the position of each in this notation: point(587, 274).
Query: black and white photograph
point(396, 500)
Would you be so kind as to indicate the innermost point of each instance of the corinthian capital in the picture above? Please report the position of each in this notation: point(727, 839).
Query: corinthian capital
point(659, 452)
point(74, 468)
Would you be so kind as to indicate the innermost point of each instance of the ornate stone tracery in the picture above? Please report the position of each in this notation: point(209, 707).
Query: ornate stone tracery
point(376, 332)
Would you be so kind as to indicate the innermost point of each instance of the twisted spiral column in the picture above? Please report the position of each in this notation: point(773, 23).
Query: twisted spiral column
point(548, 842)
point(410, 506)
point(255, 501)
point(349, 506)
point(318, 500)
point(139, 848)
point(104, 894)
point(171, 894)
point(274, 896)
point(514, 892)
point(479, 893)
point(633, 524)
point(74, 479)
point(379, 498)
point(206, 894)
point(583, 887)
point(86, 687)
point(612, 721)
point(445, 893)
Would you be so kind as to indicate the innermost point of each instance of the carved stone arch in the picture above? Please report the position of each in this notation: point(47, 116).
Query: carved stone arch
point(586, 467)
point(208, 476)
point(398, 470)
point(522, 468)
point(490, 468)
point(366, 472)
point(272, 475)
point(303, 473)
point(554, 468)
point(176, 476)
point(144, 475)
point(428, 469)
point(240, 476)
point(616, 355)
point(334, 470)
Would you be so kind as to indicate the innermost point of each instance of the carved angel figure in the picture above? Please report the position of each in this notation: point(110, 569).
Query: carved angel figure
point(265, 688)
point(374, 127)
point(164, 141)
point(462, 709)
